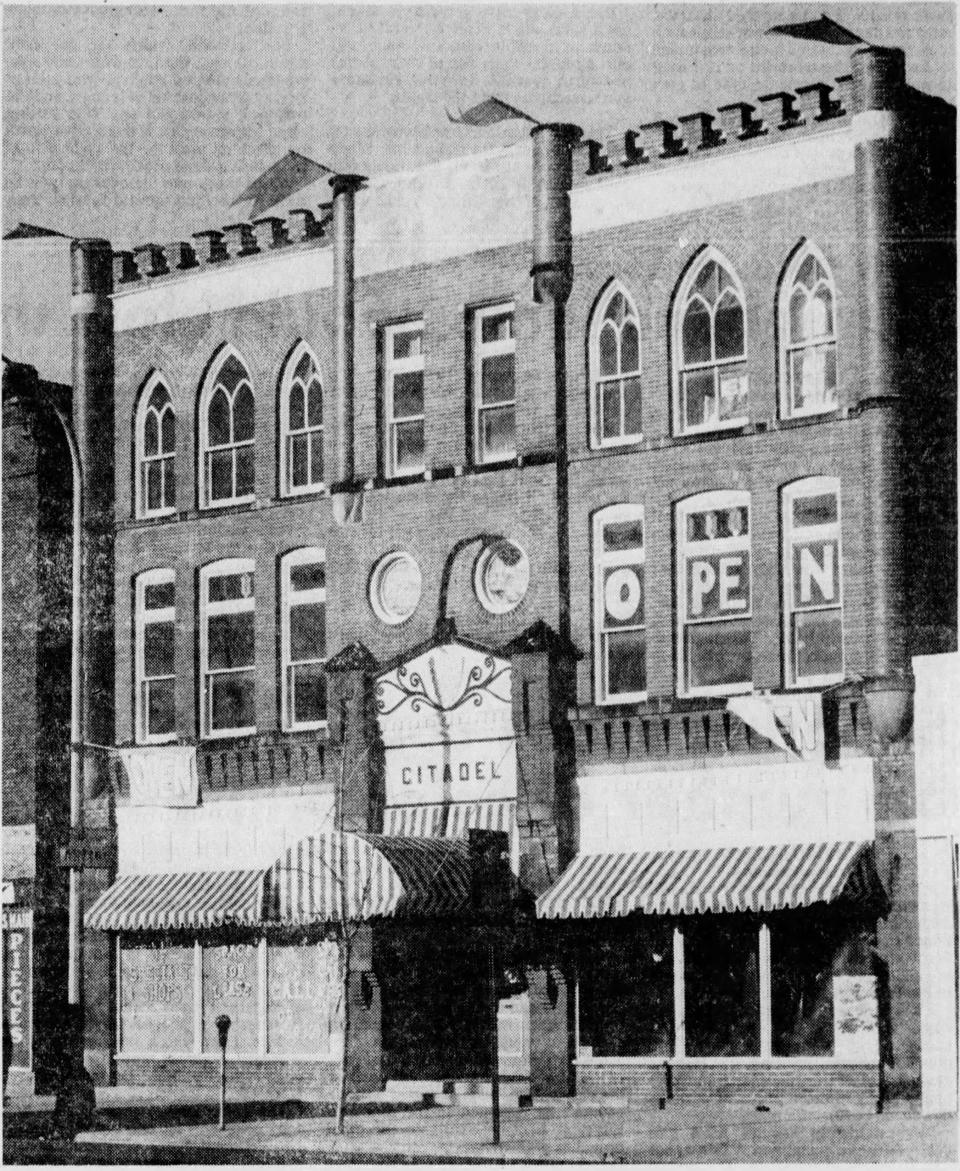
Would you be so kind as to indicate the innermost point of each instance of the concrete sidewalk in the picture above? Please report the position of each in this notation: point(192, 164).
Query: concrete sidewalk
point(572, 1131)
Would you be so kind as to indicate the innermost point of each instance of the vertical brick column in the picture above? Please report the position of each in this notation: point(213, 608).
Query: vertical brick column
point(355, 756)
point(878, 99)
point(93, 421)
point(364, 1060)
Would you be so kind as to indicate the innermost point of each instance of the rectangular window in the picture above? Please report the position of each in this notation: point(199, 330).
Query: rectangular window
point(714, 594)
point(303, 639)
point(403, 399)
point(227, 648)
point(626, 993)
point(154, 626)
point(620, 628)
point(722, 982)
point(813, 607)
point(303, 999)
point(231, 985)
point(494, 385)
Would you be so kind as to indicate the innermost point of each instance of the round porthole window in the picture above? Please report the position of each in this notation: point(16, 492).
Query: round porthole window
point(395, 588)
point(502, 577)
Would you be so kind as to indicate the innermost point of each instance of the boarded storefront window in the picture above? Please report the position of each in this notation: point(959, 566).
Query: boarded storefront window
point(303, 999)
point(156, 999)
point(231, 986)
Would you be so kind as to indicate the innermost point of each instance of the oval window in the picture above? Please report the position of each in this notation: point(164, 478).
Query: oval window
point(502, 577)
point(395, 588)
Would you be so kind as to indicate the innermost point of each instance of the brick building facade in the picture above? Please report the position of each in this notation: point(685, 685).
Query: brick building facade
point(633, 496)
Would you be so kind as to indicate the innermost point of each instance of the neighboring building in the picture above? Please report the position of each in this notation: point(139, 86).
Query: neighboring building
point(36, 716)
point(628, 560)
point(36, 639)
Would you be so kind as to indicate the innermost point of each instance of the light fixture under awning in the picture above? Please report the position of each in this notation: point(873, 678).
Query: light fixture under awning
point(168, 902)
point(736, 878)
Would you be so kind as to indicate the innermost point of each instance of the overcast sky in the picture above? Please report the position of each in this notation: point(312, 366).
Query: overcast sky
point(143, 123)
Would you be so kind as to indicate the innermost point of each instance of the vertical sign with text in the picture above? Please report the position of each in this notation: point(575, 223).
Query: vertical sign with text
point(17, 984)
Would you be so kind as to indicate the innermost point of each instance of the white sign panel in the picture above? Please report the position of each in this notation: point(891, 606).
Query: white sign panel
point(856, 1035)
point(162, 776)
point(483, 770)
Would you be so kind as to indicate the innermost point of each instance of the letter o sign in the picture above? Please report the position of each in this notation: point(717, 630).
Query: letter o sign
point(622, 594)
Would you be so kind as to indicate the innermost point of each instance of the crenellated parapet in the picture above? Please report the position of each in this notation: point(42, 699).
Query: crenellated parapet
point(213, 247)
point(654, 144)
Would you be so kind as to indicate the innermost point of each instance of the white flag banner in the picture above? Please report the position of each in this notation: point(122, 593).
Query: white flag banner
point(757, 711)
point(162, 776)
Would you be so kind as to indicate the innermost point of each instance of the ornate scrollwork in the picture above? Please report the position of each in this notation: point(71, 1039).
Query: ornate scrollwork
point(391, 694)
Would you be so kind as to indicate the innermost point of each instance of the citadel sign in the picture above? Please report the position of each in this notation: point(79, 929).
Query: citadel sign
point(446, 720)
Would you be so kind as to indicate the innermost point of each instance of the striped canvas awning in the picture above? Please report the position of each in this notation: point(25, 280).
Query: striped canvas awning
point(742, 878)
point(374, 876)
point(164, 902)
point(451, 820)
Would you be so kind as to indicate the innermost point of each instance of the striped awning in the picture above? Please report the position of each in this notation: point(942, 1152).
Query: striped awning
point(165, 902)
point(366, 876)
point(744, 878)
point(450, 820)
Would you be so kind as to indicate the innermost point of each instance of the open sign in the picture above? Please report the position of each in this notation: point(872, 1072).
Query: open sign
point(718, 585)
point(623, 596)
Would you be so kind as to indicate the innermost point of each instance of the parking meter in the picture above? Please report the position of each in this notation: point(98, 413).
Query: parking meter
point(223, 1028)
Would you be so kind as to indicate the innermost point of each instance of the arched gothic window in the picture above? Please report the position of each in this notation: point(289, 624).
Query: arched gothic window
point(711, 346)
point(155, 441)
point(227, 433)
point(615, 369)
point(808, 354)
point(301, 422)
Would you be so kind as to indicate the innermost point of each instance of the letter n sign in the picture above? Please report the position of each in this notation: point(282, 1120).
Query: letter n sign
point(718, 585)
point(816, 574)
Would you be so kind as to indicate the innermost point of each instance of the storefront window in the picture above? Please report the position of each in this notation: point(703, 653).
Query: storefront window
point(156, 999)
point(803, 960)
point(722, 988)
point(231, 986)
point(303, 999)
point(626, 994)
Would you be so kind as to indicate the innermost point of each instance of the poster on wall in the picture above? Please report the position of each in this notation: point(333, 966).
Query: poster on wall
point(156, 1000)
point(18, 984)
point(856, 1035)
point(231, 985)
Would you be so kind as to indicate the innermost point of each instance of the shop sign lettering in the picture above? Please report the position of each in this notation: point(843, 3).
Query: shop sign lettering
point(718, 585)
point(17, 986)
point(816, 574)
point(156, 999)
point(484, 770)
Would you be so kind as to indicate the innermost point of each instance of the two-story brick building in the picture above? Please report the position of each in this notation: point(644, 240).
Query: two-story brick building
point(597, 493)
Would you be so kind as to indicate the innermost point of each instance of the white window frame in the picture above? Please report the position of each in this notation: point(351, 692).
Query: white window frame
point(391, 368)
point(787, 348)
point(716, 365)
point(602, 560)
point(596, 379)
point(708, 501)
point(798, 490)
point(142, 683)
point(226, 568)
point(310, 597)
point(481, 351)
point(210, 384)
point(143, 460)
point(288, 434)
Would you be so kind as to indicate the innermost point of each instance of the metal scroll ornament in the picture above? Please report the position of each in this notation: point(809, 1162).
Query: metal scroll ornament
point(409, 687)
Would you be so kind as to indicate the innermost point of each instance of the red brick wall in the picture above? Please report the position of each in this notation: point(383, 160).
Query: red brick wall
point(733, 1082)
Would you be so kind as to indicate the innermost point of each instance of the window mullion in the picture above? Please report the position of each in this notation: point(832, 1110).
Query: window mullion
point(679, 996)
point(766, 999)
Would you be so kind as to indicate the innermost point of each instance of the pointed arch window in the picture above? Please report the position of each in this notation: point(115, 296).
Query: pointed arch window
point(301, 419)
point(156, 441)
point(710, 341)
point(808, 358)
point(227, 434)
point(615, 369)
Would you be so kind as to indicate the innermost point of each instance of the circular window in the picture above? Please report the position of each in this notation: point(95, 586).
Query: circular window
point(502, 577)
point(395, 588)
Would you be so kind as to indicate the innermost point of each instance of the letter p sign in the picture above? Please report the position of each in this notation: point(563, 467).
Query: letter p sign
point(703, 578)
